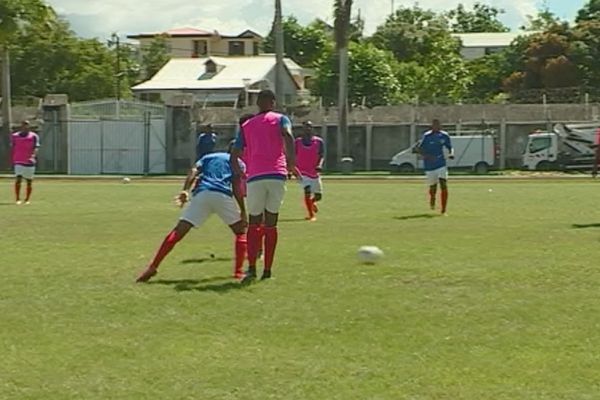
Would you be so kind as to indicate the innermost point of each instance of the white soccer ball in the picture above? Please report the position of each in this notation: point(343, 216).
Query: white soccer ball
point(369, 254)
point(126, 180)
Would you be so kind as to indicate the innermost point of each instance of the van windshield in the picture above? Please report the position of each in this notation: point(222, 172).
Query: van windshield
point(539, 144)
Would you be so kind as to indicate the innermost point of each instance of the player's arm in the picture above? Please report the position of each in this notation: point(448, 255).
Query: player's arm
point(236, 153)
point(239, 196)
point(321, 156)
point(36, 148)
point(448, 145)
point(596, 162)
point(184, 196)
point(290, 146)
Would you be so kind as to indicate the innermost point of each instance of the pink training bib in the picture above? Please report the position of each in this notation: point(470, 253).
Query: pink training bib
point(23, 147)
point(307, 157)
point(264, 146)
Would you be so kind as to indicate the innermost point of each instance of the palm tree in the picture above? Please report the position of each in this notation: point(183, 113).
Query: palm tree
point(343, 12)
point(279, 50)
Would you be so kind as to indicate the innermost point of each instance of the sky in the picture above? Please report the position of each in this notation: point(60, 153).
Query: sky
point(99, 18)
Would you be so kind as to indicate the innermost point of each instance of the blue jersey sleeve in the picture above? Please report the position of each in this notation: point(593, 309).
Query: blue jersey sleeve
point(448, 142)
point(285, 122)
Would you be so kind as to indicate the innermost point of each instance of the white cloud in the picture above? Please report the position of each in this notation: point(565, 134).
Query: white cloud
point(100, 18)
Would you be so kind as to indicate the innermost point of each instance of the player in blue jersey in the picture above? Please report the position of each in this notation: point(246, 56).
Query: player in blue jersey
point(431, 147)
point(216, 187)
point(206, 142)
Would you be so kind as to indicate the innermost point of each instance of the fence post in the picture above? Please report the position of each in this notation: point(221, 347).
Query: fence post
point(55, 111)
point(147, 126)
point(369, 140)
point(413, 125)
point(324, 136)
point(503, 144)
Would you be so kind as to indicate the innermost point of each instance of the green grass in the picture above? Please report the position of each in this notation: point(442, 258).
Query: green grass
point(497, 301)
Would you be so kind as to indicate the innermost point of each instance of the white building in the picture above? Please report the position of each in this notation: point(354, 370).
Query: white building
point(223, 81)
point(476, 45)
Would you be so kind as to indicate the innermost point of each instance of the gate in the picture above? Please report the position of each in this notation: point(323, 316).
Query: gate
point(117, 137)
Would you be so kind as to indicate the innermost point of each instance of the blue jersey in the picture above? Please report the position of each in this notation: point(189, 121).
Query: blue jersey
point(206, 144)
point(217, 174)
point(432, 148)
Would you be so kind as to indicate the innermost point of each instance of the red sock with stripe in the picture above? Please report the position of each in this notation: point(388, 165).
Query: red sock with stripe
point(444, 200)
point(308, 202)
point(271, 238)
point(241, 248)
point(28, 191)
point(432, 193)
point(165, 248)
point(18, 190)
point(254, 239)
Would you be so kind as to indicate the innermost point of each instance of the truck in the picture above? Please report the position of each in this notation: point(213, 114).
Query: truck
point(478, 153)
point(567, 147)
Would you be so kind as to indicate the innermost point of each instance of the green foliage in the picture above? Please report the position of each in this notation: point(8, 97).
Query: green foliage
point(371, 75)
point(487, 74)
point(18, 15)
point(589, 12)
point(155, 56)
point(543, 20)
point(482, 18)
point(303, 44)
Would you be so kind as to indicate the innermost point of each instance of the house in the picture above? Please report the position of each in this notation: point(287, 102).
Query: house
point(476, 45)
point(223, 81)
point(195, 43)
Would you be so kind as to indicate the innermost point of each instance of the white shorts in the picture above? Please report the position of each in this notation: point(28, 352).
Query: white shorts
point(24, 171)
point(433, 177)
point(265, 194)
point(207, 203)
point(315, 184)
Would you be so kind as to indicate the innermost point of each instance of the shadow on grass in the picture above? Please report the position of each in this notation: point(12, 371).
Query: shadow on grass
point(417, 216)
point(7, 204)
point(585, 226)
point(200, 285)
point(292, 220)
point(205, 260)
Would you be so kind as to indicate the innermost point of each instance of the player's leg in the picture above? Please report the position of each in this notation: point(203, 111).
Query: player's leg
point(229, 213)
point(317, 189)
point(18, 181)
point(308, 201)
point(275, 197)
point(432, 183)
point(444, 194)
point(181, 229)
point(256, 199)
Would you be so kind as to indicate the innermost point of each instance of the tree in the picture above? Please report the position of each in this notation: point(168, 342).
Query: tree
point(543, 21)
point(155, 56)
point(343, 13)
point(487, 74)
point(589, 12)
point(371, 76)
point(303, 44)
point(482, 18)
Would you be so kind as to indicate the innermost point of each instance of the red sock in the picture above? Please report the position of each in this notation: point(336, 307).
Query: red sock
point(261, 240)
point(29, 190)
point(271, 237)
point(444, 199)
point(241, 248)
point(254, 238)
point(308, 202)
point(165, 248)
point(432, 193)
point(18, 190)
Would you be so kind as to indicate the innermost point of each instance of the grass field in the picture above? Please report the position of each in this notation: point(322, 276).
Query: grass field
point(500, 300)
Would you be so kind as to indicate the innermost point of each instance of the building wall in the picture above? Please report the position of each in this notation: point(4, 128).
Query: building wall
point(184, 47)
point(471, 53)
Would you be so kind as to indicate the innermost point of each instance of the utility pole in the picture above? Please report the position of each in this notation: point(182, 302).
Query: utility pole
point(116, 41)
point(6, 96)
point(393, 7)
point(279, 51)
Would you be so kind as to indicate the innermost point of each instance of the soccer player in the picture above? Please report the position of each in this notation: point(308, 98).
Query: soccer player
point(267, 143)
point(214, 192)
point(309, 159)
point(24, 145)
point(206, 143)
point(431, 147)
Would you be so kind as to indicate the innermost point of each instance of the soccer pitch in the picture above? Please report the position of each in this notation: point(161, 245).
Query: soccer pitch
point(500, 300)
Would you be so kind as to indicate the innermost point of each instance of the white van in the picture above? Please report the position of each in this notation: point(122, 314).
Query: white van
point(476, 152)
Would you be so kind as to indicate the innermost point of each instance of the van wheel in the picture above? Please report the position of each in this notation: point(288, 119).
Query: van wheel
point(406, 168)
point(481, 168)
point(543, 166)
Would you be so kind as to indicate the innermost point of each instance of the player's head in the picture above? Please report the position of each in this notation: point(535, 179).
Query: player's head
point(307, 129)
point(244, 118)
point(208, 128)
point(436, 125)
point(25, 126)
point(266, 100)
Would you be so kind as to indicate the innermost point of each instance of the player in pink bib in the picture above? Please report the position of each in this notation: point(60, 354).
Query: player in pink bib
point(267, 145)
point(309, 159)
point(24, 148)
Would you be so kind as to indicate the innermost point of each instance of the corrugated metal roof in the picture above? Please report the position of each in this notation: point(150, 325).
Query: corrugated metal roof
point(184, 73)
point(494, 39)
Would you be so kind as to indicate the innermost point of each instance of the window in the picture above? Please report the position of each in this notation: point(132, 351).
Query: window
point(540, 144)
point(492, 50)
point(236, 48)
point(211, 67)
point(200, 48)
point(256, 48)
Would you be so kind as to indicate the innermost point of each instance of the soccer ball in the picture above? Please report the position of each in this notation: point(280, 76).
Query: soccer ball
point(369, 254)
point(126, 180)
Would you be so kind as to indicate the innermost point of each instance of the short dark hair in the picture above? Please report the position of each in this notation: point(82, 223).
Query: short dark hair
point(245, 118)
point(307, 123)
point(266, 94)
